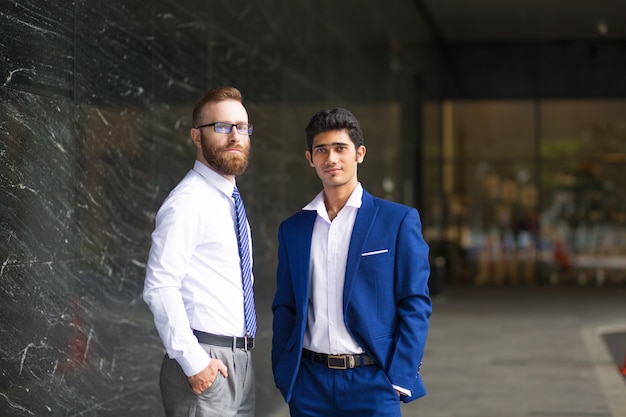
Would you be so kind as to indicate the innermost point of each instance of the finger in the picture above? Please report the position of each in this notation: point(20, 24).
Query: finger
point(223, 370)
point(196, 389)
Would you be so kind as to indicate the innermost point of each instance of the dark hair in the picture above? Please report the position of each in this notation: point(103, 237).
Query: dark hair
point(215, 94)
point(334, 119)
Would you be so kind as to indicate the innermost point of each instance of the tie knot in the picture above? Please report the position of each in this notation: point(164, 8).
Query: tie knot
point(236, 193)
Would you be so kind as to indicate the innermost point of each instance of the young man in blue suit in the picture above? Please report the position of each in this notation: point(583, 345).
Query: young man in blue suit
point(351, 308)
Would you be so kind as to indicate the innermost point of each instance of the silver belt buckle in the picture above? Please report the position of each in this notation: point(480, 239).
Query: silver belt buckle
point(347, 361)
point(337, 358)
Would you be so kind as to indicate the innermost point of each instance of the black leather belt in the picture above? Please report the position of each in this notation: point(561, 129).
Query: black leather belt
point(339, 361)
point(245, 343)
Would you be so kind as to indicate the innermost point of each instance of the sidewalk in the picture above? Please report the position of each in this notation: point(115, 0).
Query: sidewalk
point(523, 352)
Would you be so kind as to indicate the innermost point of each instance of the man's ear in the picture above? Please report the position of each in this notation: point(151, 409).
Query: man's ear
point(196, 137)
point(360, 154)
point(307, 154)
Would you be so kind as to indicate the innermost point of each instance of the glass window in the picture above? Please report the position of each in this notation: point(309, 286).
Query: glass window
point(526, 191)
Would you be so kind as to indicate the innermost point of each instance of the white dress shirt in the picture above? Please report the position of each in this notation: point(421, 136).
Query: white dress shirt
point(193, 274)
point(326, 331)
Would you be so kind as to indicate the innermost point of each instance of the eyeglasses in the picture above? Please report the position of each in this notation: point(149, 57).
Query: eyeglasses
point(226, 128)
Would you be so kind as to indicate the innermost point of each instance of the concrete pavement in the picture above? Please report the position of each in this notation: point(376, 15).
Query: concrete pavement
point(523, 352)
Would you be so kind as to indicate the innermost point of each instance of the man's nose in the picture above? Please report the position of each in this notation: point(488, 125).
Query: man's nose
point(234, 135)
point(332, 157)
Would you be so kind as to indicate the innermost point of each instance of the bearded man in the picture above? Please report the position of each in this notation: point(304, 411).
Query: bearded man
point(200, 269)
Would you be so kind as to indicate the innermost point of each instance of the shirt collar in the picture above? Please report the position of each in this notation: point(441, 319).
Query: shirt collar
point(215, 179)
point(317, 204)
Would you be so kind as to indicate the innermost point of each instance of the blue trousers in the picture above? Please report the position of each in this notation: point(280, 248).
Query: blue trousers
point(360, 392)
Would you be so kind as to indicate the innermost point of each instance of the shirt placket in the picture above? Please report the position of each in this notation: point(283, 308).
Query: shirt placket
point(331, 269)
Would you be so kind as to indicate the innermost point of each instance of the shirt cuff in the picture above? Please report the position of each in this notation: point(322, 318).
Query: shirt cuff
point(194, 361)
point(403, 391)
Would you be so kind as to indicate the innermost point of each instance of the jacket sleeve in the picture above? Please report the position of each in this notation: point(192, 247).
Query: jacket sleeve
point(283, 305)
point(413, 307)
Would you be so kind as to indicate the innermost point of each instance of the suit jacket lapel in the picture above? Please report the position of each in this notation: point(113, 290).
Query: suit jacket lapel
point(303, 234)
point(362, 226)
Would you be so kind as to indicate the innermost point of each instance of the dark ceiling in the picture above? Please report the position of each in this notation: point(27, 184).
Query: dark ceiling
point(457, 21)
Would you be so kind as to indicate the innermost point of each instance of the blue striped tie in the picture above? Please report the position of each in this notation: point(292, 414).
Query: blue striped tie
point(246, 264)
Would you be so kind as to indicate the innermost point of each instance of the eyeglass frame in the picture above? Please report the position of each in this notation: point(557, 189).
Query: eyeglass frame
point(247, 132)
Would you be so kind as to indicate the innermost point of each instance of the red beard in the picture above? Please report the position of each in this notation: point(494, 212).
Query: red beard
point(226, 163)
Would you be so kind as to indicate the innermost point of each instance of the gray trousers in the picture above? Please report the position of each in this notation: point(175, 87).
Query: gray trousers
point(233, 396)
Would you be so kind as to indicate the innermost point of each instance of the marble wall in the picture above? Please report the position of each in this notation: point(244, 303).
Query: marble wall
point(95, 104)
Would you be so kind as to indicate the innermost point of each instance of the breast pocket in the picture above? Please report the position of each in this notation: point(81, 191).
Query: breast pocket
point(374, 252)
point(376, 282)
point(376, 262)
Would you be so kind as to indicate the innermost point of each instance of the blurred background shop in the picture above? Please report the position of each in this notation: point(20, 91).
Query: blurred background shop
point(524, 144)
point(504, 123)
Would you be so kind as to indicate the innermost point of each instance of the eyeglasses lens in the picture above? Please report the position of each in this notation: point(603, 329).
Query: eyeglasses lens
point(242, 128)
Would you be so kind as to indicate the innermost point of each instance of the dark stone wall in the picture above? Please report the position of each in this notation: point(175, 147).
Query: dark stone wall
point(95, 109)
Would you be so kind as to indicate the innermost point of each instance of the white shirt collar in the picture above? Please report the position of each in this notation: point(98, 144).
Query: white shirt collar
point(214, 178)
point(317, 204)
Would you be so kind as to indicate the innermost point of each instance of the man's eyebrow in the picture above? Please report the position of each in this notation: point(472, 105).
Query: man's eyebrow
point(331, 144)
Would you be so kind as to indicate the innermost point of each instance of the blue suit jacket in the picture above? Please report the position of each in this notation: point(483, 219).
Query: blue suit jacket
point(385, 300)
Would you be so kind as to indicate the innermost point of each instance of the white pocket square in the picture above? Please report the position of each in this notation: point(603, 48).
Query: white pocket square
point(376, 252)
